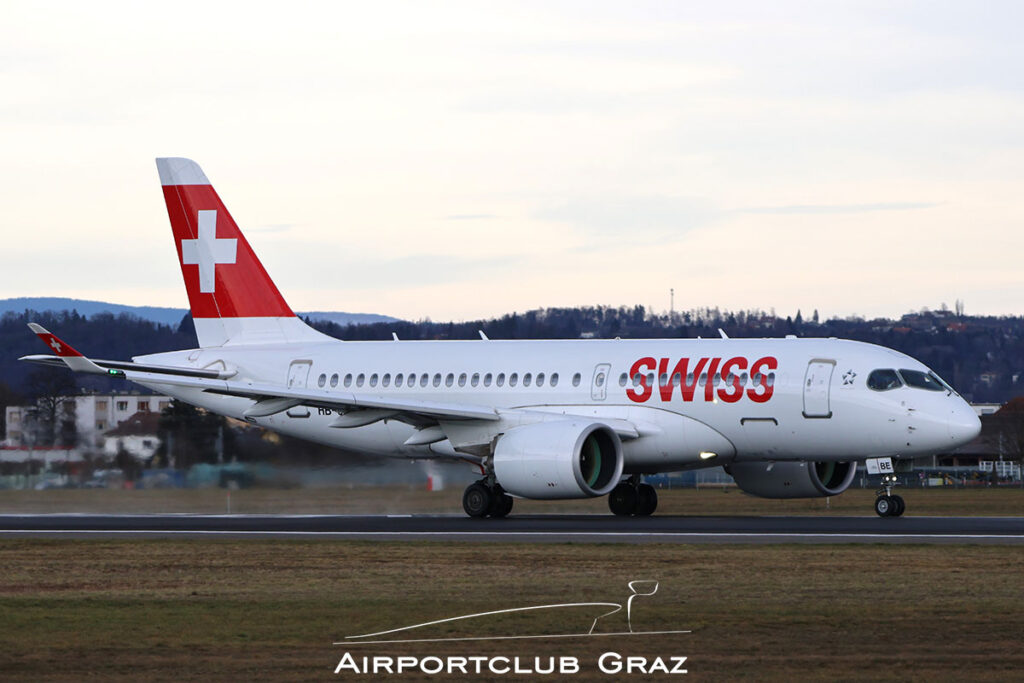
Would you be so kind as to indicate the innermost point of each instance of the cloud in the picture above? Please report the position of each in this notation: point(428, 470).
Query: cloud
point(470, 217)
point(278, 227)
point(603, 216)
point(840, 208)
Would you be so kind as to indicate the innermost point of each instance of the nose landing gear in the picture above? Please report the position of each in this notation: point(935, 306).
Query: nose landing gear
point(631, 497)
point(486, 499)
point(886, 504)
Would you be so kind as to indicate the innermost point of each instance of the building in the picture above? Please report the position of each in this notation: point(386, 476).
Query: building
point(94, 415)
point(137, 436)
point(1001, 441)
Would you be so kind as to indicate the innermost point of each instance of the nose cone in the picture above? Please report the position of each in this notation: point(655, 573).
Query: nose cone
point(964, 425)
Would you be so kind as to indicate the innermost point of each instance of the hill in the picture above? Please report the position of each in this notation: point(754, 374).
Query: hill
point(157, 314)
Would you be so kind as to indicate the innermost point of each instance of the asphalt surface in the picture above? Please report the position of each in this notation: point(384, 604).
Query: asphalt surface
point(532, 528)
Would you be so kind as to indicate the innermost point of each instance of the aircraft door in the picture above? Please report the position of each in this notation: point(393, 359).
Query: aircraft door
point(599, 386)
point(817, 383)
point(298, 374)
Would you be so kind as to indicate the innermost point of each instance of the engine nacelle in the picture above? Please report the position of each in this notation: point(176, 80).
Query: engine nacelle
point(793, 479)
point(559, 459)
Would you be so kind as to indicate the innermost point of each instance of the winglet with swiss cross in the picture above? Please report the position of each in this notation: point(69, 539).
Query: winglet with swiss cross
point(72, 358)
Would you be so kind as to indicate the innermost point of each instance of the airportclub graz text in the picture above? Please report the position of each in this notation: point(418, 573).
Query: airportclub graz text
point(730, 391)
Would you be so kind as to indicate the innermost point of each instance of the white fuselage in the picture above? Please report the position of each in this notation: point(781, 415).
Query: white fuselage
point(808, 402)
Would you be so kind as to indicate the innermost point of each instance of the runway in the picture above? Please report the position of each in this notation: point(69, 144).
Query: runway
point(529, 528)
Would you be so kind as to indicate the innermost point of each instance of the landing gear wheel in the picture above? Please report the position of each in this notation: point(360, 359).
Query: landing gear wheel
point(900, 506)
point(477, 500)
point(502, 505)
point(885, 506)
point(888, 505)
point(646, 500)
point(623, 499)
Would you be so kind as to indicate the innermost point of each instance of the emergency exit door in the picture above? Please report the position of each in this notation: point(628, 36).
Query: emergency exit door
point(817, 383)
point(298, 375)
point(599, 385)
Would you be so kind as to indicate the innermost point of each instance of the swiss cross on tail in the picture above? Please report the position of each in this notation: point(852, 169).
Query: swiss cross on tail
point(207, 251)
point(223, 277)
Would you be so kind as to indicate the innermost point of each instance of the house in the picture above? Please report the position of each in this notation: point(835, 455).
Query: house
point(93, 414)
point(138, 436)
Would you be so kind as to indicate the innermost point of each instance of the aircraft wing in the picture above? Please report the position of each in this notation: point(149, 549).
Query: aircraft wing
point(269, 398)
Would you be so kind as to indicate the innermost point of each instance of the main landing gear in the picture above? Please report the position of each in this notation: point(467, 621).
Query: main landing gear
point(631, 497)
point(484, 499)
point(888, 505)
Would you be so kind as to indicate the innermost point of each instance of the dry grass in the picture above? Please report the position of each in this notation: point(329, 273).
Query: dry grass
point(172, 610)
point(398, 499)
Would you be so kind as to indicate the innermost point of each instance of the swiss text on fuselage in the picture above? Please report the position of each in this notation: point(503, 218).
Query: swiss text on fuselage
point(685, 375)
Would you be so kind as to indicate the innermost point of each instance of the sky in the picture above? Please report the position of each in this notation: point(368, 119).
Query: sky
point(465, 160)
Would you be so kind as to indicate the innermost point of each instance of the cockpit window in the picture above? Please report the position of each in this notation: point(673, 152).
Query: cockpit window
point(944, 383)
point(922, 380)
point(884, 380)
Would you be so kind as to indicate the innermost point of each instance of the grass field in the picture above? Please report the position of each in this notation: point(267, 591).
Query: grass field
point(270, 610)
point(392, 500)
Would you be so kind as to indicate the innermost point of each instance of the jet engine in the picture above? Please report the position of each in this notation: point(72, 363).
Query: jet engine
point(793, 479)
point(559, 459)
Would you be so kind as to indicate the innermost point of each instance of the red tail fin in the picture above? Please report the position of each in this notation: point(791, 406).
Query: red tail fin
point(233, 299)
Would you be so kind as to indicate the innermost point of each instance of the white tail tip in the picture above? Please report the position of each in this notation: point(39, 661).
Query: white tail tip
point(180, 171)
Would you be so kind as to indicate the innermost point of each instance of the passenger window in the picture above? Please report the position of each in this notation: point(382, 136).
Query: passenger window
point(437, 379)
point(321, 380)
point(501, 379)
point(513, 379)
point(540, 379)
point(599, 380)
point(576, 380)
point(348, 379)
point(623, 378)
point(360, 379)
point(424, 378)
point(398, 380)
point(449, 380)
point(663, 379)
point(487, 380)
point(527, 379)
point(475, 380)
point(334, 380)
point(921, 380)
point(554, 379)
point(385, 380)
point(373, 380)
point(884, 380)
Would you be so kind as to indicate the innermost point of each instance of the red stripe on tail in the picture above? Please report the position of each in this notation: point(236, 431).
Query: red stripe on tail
point(223, 277)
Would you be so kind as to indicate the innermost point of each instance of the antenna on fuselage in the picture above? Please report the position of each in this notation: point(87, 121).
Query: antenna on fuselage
point(722, 333)
point(394, 335)
point(483, 336)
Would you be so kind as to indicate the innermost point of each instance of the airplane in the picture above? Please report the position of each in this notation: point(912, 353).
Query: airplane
point(551, 419)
